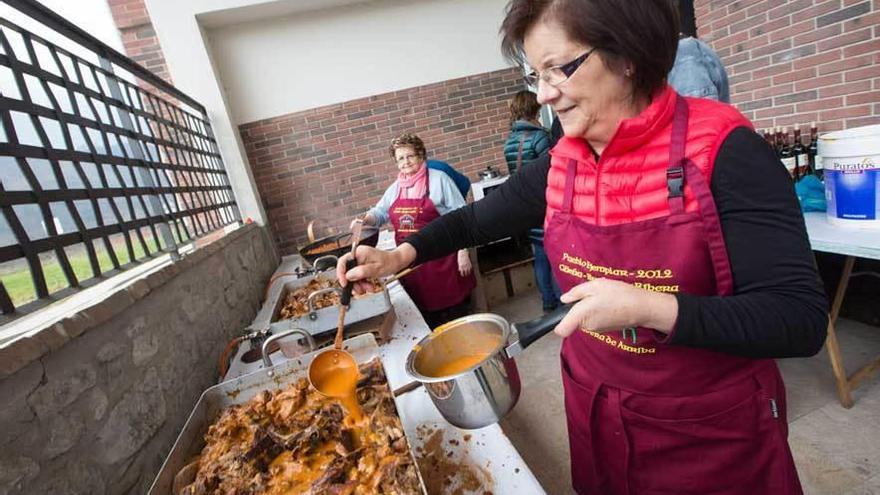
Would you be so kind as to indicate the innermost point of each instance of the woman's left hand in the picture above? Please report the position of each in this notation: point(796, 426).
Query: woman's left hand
point(464, 263)
point(604, 305)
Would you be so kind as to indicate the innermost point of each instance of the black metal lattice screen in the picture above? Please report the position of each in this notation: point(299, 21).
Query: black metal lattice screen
point(96, 172)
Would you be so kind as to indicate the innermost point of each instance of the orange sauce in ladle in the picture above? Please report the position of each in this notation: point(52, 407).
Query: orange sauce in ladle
point(334, 373)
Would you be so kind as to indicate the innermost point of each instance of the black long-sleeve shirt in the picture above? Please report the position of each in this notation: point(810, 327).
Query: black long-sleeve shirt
point(779, 307)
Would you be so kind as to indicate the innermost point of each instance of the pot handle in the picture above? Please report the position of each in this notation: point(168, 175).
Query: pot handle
point(310, 231)
point(409, 387)
point(530, 331)
point(327, 257)
point(267, 361)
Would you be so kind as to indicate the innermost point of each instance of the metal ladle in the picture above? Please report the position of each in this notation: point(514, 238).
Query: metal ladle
point(334, 372)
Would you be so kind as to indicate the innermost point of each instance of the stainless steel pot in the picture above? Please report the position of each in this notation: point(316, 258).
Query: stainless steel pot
point(482, 394)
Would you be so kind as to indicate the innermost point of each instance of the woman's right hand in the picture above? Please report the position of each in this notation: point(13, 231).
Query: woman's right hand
point(373, 263)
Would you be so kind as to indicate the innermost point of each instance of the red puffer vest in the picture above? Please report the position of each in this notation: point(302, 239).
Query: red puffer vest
point(628, 183)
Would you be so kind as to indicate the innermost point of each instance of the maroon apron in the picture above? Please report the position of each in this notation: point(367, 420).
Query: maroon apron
point(649, 418)
point(436, 285)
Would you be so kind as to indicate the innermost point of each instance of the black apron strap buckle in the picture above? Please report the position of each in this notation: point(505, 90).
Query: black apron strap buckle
point(675, 181)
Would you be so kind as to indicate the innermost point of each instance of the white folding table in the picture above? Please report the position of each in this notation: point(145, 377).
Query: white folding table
point(851, 243)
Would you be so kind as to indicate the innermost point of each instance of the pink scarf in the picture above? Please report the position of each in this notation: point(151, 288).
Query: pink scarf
point(413, 187)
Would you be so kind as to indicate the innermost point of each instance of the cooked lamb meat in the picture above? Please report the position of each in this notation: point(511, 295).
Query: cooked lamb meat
point(296, 303)
point(336, 473)
point(294, 440)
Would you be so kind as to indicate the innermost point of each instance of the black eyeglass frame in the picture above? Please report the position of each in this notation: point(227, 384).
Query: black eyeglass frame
point(568, 69)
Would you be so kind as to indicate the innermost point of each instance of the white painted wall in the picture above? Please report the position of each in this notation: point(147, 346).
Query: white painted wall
point(276, 66)
point(192, 71)
point(218, 51)
point(92, 16)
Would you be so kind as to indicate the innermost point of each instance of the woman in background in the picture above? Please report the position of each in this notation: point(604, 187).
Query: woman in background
point(440, 288)
point(527, 141)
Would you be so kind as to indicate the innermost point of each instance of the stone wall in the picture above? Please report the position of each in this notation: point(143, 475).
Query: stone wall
point(93, 404)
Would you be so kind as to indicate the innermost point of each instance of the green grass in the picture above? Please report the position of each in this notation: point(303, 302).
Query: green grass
point(19, 284)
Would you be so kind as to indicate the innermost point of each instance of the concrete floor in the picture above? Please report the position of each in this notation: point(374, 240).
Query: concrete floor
point(837, 451)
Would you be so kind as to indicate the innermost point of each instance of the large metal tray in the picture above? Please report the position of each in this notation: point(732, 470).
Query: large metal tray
point(321, 320)
point(236, 391)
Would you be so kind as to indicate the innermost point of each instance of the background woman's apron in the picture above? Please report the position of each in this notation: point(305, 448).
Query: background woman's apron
point(436, 284)
point(649, 418)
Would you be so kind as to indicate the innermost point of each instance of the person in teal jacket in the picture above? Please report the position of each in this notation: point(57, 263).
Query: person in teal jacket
point(528, 140)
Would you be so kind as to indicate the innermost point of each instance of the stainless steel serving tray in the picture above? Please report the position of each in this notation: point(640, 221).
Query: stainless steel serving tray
point(239, 390)
point(321, 320)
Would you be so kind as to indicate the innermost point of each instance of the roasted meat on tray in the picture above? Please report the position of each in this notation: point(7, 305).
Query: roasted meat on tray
point(294, 440)
point(296, 303)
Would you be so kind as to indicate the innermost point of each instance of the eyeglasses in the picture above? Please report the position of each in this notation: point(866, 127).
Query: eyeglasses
point(558, 74)
point(408, 158)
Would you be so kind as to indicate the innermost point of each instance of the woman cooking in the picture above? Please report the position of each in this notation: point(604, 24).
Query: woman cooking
point(674, 230)
point(440, 288)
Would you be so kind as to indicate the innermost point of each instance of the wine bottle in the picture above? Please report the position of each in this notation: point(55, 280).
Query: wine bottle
point(777, 140)
point(785, 153)
point(799, 151)
point(812, 152)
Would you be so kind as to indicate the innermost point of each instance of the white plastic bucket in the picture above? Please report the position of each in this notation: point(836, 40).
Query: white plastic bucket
point(851, 160)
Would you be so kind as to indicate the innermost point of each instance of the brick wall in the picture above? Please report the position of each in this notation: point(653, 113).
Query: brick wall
point(138, 36)
point(798, 61)
point(331, 163)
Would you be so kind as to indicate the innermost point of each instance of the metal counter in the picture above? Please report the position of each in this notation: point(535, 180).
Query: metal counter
point(487, 448)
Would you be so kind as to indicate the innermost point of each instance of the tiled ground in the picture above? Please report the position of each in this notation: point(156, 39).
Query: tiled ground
point(837, 451)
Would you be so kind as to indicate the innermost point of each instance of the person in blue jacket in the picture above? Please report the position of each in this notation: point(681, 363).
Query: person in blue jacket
point(527, 141)
point(698, 71)
point(462, 183)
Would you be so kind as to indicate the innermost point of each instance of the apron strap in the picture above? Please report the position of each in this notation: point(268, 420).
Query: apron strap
point(427, 181)
point(712, 229)
point(427, 196)
point(568, 198)
point(681, 167)
point(675, 172)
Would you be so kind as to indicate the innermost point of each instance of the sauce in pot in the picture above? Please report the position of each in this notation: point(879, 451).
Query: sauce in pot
point(455, 365)
point(454, 348)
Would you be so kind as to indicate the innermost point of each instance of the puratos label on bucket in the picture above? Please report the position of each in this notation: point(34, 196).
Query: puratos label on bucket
point(852, 187)
point(852, 164)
